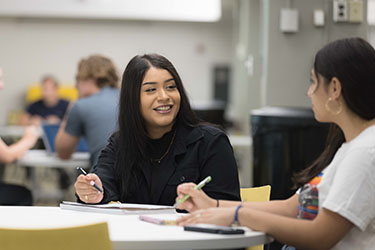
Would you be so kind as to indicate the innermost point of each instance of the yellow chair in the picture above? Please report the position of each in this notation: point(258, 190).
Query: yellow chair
point(256, 194)
point(90, 237)
point(67, 92)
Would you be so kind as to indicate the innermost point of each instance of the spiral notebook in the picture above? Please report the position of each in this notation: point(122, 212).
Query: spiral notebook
point(118, 208)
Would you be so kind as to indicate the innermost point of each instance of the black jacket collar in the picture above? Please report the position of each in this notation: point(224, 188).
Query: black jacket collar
point(185, 136)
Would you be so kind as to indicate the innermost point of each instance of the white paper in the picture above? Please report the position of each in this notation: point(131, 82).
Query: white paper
point(117, 208)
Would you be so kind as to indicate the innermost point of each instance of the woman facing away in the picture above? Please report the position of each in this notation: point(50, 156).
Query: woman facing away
point(335, 206)
point(160, 143)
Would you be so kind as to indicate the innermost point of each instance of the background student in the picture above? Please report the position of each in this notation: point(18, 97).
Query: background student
point(50, 109)
point(13, 194)
point(94, 115)
point(336, 205)
point(160, 143)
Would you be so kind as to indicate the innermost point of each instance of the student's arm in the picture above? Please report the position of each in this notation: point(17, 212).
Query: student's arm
point(24, 119)
point(271, 217)
point(288, 207)
point(104, 175)
point(65, 143)
point(10, 153)
point(199, 200)
point(321, 233)
point(27, 119)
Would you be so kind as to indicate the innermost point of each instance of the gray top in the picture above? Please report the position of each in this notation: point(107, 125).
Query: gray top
point(94, 118)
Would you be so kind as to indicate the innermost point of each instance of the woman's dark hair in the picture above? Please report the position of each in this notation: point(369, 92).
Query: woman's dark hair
point(132, 135)
point(352, 61)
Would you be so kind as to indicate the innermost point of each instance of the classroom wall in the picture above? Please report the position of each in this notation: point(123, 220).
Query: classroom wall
point(30, 48)
point(281, 62)
point(371, 35)
point(290, 56)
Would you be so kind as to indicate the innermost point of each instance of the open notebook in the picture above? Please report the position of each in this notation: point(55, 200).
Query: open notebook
point(118, 208)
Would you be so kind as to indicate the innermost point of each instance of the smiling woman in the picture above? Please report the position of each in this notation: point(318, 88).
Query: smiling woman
point(160, 101)
point(160, 143)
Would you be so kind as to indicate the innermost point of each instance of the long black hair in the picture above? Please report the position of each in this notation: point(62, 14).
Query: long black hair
point(352, 61)
point(132, 135)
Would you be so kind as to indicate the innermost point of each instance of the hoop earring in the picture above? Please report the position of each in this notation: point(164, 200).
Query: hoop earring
point(329, 109)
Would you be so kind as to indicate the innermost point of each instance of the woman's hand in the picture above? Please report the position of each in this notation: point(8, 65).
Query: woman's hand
point(53, 119)
point(198, 199)
point(31, 134)
point(85, 190)
point(218, 216)
point(35, 120)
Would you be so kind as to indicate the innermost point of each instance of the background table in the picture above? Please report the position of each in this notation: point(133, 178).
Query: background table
point(14, 131)
point(126, 231)
point(40, 158)
point(37, 158)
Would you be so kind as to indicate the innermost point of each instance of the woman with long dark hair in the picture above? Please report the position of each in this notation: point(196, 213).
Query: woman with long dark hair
point(335, 205)
point(160, 143)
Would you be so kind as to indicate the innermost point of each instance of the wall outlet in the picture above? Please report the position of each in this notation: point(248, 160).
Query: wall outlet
point(289, 20)
point(340, 10)
point(319, 18)
point(355, 11)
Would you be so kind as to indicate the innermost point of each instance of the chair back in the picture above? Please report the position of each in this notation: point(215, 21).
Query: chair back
point(90, 237)
point(256, 194)
point(67, 92)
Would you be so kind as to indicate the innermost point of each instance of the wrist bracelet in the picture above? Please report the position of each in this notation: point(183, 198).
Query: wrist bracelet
point(217, 203)
point(235, 220)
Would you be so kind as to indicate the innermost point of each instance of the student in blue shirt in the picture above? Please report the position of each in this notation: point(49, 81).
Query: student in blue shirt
point(94, 115)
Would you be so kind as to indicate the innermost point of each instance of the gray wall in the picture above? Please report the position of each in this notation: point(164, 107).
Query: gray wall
point(282, 61)
point(290, 56)
point(30, 48)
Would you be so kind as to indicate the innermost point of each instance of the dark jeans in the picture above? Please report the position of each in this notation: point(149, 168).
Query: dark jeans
point(15, 195)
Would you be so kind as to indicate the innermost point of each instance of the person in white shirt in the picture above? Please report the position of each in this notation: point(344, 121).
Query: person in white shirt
point(13, 194)
point(10, 153)
point(335, 206)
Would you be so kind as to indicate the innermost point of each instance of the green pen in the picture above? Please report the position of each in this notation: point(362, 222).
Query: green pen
point(197, 187)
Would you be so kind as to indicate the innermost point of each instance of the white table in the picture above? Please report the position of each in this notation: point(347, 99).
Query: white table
point(127, 231)
point(14, 131)
point(40, 158)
